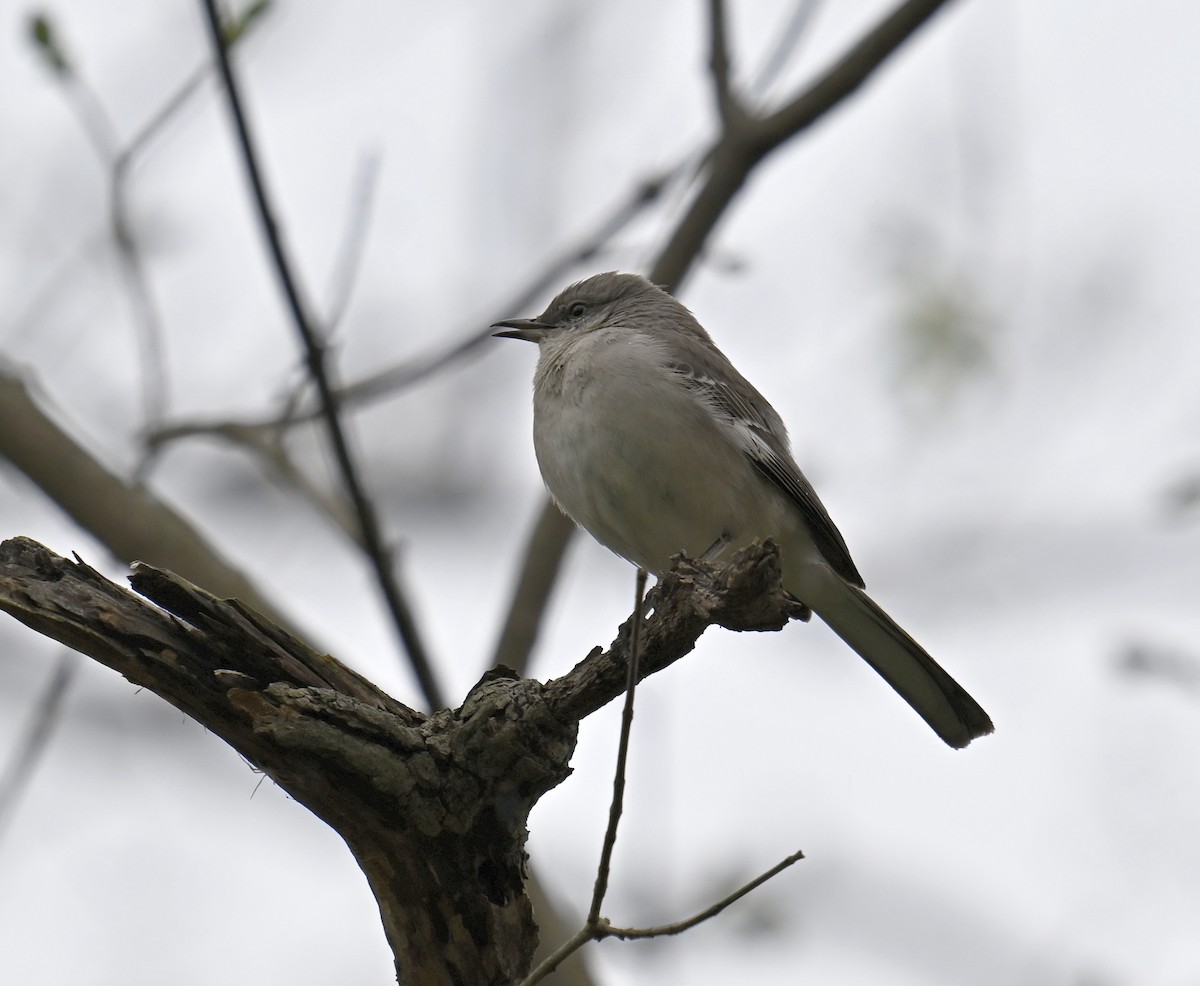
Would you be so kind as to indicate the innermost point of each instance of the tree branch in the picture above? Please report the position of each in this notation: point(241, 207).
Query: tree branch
point(314, 348)
point(848, 72)
point(742, 145)
point(728, 108)
point(743, 594)
point(434, 807)
point(739, 150)
point(600, 928)
point(28, 750)
point(678, 927)
point(127, 518)
point(617, 804)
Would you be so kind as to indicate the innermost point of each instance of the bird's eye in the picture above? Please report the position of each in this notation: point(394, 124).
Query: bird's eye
point(577, 310)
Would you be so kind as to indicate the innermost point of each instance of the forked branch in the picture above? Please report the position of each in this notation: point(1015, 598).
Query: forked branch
point(434, 807)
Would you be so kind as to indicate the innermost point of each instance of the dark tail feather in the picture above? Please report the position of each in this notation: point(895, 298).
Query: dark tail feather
point(918, 678)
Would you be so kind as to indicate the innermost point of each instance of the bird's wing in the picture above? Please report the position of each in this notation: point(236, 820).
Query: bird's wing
point(760, 433)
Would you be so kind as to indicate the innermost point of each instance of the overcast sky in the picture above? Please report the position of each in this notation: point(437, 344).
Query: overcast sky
point(970, 292)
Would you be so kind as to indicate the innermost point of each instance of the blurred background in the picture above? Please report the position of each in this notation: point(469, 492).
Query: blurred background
point(970, 291)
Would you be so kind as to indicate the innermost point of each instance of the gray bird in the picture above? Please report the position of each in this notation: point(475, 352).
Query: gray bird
point(650, 440)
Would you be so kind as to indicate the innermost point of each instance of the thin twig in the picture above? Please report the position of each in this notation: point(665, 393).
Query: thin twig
point(718, 61)
point(93, 117)
point(600, 928)
point(29, 749)
point(595, 927)
point(348, 261)
point(386, 382)
point(267, 447)
point(729, 163)
point(678, 927)
point(545, 548)
point(555, 958)
point(410, 372)
point(102, 133)
point(850, 71)
point(617, 805)
point(314, 348)
point(146, 315)
point(161, 117)
point(785, 46)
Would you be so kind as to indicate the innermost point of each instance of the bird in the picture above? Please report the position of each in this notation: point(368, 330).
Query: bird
point(649, 439)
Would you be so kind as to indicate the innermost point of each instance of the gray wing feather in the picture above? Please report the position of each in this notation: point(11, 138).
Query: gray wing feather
point(764, 440)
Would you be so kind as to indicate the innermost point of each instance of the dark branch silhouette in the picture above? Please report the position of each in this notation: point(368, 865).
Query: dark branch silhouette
point(322, 377)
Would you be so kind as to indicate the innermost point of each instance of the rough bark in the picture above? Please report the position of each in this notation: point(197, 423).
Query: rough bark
point(434, 807)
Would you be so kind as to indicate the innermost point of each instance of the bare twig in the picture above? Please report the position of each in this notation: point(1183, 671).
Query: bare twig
point(396, 378)
point(848, 72)
point(729, 163)
point(349, 258)
point(743, 595)
point(718, 63)
point(146, 314)
point(617, 805)
point(709, 912)
point(785, 46)
point(544, 552)
point(594, 924)
point(29, 748)
point(564, 951)
point(160, 118)
point(315, 353)
point(737, 153)
point(126, 517)
point(601, 928)
point(268, 448)
point(102, 133)
point(435, 808)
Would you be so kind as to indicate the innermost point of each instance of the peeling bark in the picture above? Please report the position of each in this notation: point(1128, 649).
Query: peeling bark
point(434, 807)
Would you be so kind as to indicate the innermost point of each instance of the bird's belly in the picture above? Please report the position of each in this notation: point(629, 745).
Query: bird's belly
point(652, 487)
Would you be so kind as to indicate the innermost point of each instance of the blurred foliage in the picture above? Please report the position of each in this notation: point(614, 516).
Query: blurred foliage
point(944, 330)
point(1156, 662)
point(1183, 496)
point(47, 43)
point(45, 40)
point(234, 28)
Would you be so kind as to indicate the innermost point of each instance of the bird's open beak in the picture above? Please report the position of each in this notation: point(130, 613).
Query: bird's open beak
point(529, 329)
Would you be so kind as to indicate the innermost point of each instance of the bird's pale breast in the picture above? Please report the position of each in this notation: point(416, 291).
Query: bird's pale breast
point(629, 455)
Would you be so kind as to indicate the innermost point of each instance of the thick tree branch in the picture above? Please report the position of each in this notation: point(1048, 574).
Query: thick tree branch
point(744, 594)
point(126, 517)
point(544, 553)
point(434, 807)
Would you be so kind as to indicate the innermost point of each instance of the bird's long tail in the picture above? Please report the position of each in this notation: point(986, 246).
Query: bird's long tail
point(882, 643)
